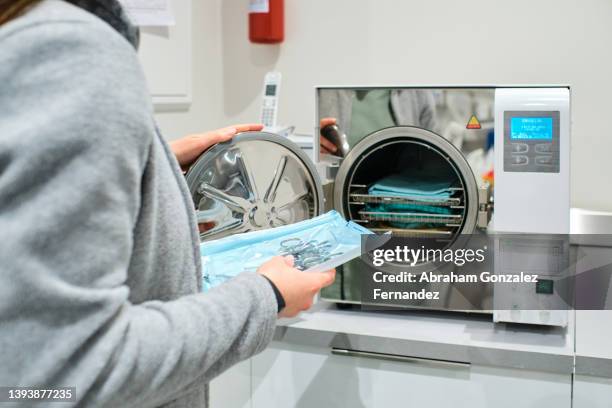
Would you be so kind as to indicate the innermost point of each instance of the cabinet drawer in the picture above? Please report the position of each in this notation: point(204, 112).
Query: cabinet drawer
point(299, 376)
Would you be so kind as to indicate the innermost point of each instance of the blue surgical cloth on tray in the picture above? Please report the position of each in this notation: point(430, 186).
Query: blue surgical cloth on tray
point(412, 186)
point(417, 186)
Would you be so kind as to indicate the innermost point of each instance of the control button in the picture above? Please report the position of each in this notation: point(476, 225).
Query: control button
point(545, 148)
point(544, 160)
point(544, 286)
point(520, 148)
point(520, 160)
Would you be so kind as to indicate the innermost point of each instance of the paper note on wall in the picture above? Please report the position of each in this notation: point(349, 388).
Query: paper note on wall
point(259, 6)
point(149, 13)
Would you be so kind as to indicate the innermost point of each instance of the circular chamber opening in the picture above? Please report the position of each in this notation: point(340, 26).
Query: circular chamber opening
point(411, 182)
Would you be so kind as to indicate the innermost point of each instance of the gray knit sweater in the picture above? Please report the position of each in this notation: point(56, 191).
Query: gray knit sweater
point(99, 260)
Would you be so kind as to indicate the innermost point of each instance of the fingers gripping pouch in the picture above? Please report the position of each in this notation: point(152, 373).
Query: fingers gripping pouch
point(318, 244)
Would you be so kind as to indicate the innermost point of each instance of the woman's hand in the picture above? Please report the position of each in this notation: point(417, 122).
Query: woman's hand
point(189, 148)
point(326, 146)
point(297, 288)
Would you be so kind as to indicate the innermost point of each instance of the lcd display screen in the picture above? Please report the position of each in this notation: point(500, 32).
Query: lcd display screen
point(270, 90)
point(531, 128)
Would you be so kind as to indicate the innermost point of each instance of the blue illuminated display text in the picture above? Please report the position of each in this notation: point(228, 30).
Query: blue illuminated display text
point(529, 128)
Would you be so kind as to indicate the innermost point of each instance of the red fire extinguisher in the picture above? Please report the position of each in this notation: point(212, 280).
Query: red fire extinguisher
point(266, 21)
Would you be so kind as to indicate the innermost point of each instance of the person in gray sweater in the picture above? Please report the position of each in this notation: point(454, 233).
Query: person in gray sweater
point(99, 256)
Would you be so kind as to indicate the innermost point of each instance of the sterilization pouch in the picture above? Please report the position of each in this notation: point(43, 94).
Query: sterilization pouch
point(318, 244)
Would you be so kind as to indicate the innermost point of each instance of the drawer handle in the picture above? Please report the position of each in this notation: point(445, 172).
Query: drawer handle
point(401, 359)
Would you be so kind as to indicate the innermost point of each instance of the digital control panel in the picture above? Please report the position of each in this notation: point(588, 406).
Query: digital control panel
point(531, 141)
point(532, 203)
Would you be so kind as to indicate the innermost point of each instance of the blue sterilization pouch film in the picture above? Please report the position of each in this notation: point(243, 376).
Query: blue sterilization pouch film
point(318, 244)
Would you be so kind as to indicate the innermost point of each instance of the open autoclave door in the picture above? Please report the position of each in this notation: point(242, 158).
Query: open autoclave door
point(256, 181)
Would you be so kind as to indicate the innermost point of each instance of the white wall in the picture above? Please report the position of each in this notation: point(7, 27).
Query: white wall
point(206, 110)
point(411, 42)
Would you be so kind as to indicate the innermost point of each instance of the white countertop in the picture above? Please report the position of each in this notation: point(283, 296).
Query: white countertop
point(439, 327)
point(471, 338)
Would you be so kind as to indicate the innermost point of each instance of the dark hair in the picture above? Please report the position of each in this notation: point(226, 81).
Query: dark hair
point(10, 9)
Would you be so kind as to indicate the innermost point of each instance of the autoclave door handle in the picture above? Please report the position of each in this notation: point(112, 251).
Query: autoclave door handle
point(401, 359)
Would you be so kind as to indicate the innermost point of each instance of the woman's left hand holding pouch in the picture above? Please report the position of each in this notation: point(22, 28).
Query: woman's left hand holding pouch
point(189, 148)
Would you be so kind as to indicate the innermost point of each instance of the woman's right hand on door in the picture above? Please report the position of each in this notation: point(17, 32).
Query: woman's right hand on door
point(326, 146)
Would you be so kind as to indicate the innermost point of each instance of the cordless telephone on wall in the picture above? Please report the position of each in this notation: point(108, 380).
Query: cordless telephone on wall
point(269, 113)
point(269, 106)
